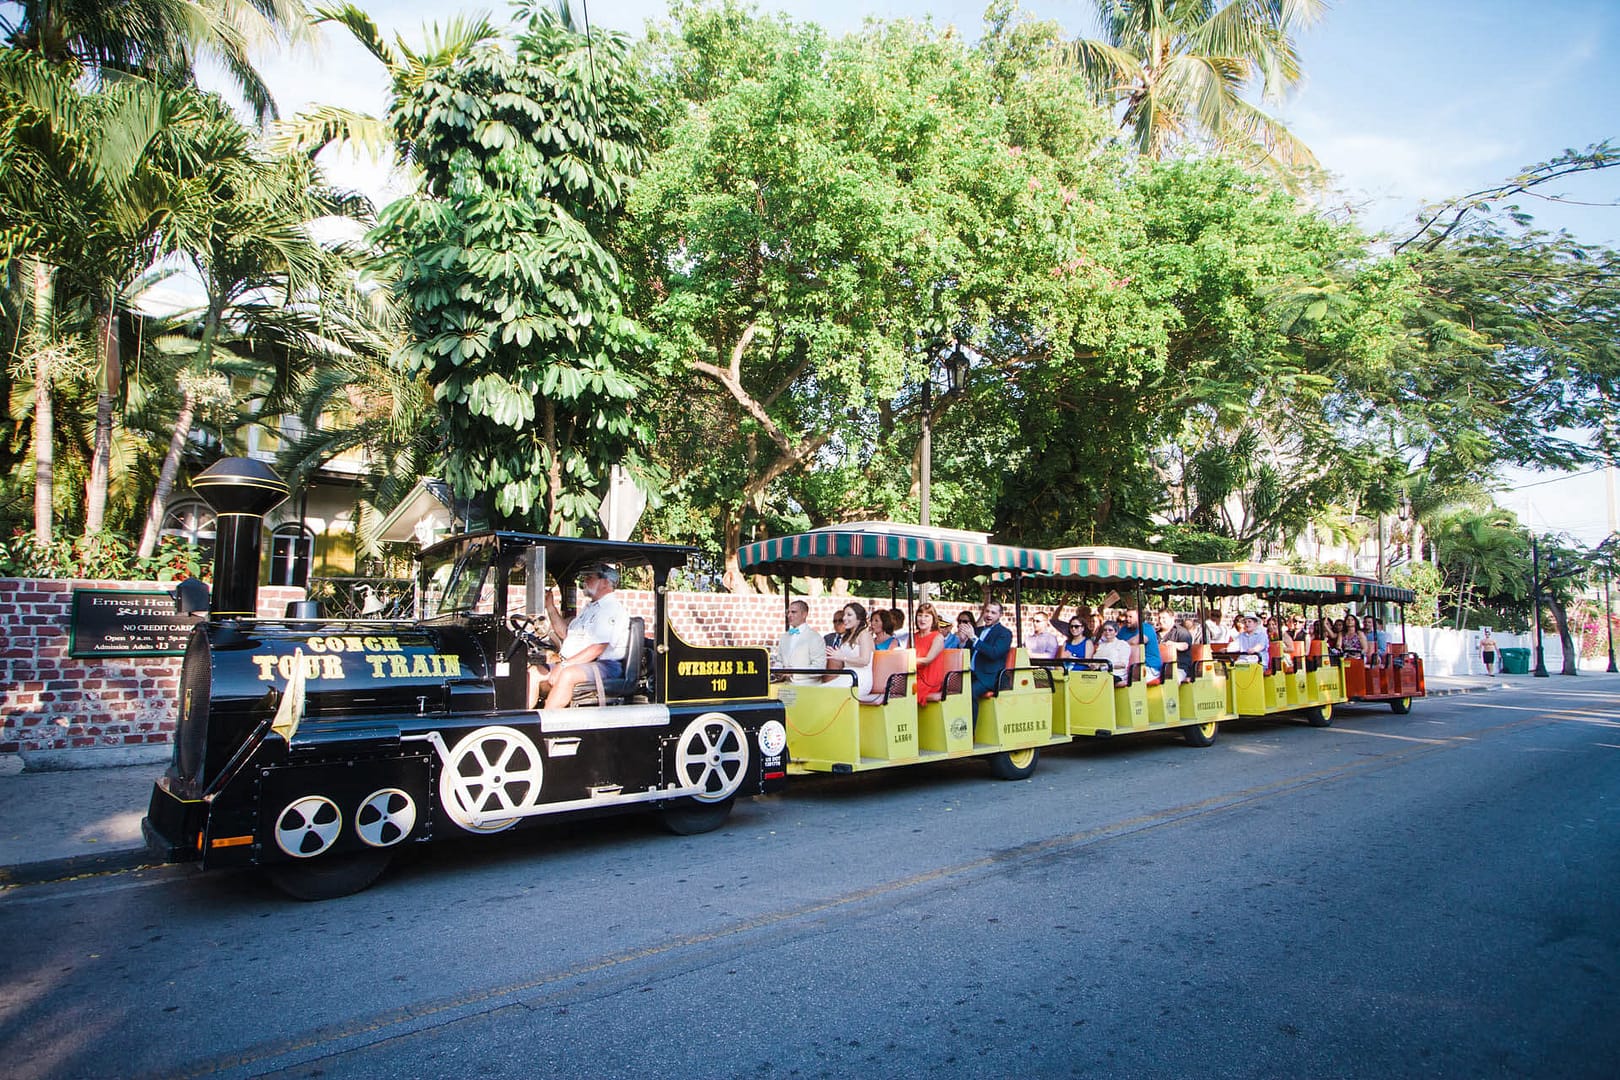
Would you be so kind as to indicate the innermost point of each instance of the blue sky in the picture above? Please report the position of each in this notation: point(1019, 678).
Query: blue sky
point(1406, 102)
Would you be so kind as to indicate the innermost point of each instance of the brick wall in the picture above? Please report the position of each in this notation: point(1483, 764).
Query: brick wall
point(51, 701)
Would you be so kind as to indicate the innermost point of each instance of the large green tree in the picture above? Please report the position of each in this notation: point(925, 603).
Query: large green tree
point(516, 320)
point(822, 219)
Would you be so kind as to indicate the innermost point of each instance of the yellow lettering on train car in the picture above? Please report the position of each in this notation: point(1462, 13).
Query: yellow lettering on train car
point(267, 667)
point(416, 666)
point(707, 667)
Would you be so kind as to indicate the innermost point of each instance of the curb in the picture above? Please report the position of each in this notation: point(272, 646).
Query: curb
point(1452, 691)
point(77, 866)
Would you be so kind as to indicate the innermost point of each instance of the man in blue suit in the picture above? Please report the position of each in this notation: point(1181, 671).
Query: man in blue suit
point(989, 652)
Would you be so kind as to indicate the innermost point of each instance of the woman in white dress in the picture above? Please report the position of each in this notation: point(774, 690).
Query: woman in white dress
point(855, 647)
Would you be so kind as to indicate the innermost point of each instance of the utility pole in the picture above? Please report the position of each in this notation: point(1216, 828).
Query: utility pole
point(1608, 614)
point(1535, 604)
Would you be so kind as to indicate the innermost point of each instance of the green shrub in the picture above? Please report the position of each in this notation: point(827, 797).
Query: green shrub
point(105, 557)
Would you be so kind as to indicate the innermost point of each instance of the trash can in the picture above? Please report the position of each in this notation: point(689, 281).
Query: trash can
point(1515, 661)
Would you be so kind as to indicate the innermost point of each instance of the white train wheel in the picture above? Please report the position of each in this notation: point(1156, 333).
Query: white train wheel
point(308, 826)
point(712, 755)
point(492, 770)
point(385, 818)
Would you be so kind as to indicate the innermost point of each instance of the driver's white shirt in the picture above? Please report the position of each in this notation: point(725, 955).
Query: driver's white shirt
point(600, 622)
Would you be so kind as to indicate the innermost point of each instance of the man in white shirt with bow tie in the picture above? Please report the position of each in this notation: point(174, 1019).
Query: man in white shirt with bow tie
point(800, 647)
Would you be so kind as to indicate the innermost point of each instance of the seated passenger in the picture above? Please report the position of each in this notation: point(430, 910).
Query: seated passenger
point(1351, 643)
point(1276, 631)
point(1078, 642)
point(1110, 648)
point(1150, 642)
point(1183, 635)
point(799, 646)
point(897, 620)
point(965, 633)
point(1253, 643)
point(989, 653)
point(883, 628)
point(595, 641)
point(1043, 643)
point(854, 649)
point(1377, 639)
point(931, 666)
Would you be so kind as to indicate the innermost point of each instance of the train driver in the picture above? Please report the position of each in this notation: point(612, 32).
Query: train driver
point(595, 641)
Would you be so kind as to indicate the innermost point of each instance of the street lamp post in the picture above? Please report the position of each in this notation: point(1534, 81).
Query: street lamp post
point(1535, 605)
point(1608, 619)
point(956, 371)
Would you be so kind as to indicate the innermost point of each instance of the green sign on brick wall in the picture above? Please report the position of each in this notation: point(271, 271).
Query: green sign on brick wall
point(111, 622)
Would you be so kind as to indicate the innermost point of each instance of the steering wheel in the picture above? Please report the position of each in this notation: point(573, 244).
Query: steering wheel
point(525, 636)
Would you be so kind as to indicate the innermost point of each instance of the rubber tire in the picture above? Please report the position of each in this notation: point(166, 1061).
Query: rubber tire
point(1013, 764)
point(1319, 715)
point(1195, 735)
point(688, 817)
point(327, 877)
point(1401, 706)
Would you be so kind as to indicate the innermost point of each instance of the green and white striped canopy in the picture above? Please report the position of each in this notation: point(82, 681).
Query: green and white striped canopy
point(887, 555)
point(1085, 571)
point(1274, 583)
point(1287, 585)
point(1360, 588)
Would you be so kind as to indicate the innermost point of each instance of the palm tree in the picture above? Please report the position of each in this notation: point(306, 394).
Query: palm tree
point(161, 39)
point(85, 195)
point(357, 399)
point(52, 349)
point(1180, 69)
point(408, 69)
point(248, 239)
point(1484, 549)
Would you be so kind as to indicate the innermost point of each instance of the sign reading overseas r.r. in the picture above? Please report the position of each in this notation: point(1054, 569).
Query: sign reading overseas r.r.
point(106, 622)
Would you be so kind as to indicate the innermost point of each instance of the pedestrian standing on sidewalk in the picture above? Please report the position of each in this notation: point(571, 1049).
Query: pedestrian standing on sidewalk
point(1487, 651)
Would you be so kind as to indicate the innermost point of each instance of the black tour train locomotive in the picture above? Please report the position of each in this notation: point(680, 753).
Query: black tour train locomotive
point(317, 748)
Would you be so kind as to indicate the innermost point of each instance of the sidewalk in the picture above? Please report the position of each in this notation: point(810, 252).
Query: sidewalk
point(72, 822)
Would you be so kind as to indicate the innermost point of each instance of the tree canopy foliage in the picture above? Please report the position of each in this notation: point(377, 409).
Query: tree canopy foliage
point(515, 310)
point(736, 255)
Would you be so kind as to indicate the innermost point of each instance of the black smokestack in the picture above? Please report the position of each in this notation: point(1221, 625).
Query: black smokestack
point(240, 491)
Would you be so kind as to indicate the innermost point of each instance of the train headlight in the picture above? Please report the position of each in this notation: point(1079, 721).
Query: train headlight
point(772, 738)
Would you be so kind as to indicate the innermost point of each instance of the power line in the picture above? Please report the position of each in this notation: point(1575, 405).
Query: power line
point(1556, 479)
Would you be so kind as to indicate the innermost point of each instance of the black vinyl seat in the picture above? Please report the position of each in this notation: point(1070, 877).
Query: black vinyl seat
point(618, 691)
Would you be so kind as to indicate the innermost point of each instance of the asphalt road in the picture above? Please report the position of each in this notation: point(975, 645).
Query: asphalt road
point(1430, 895)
